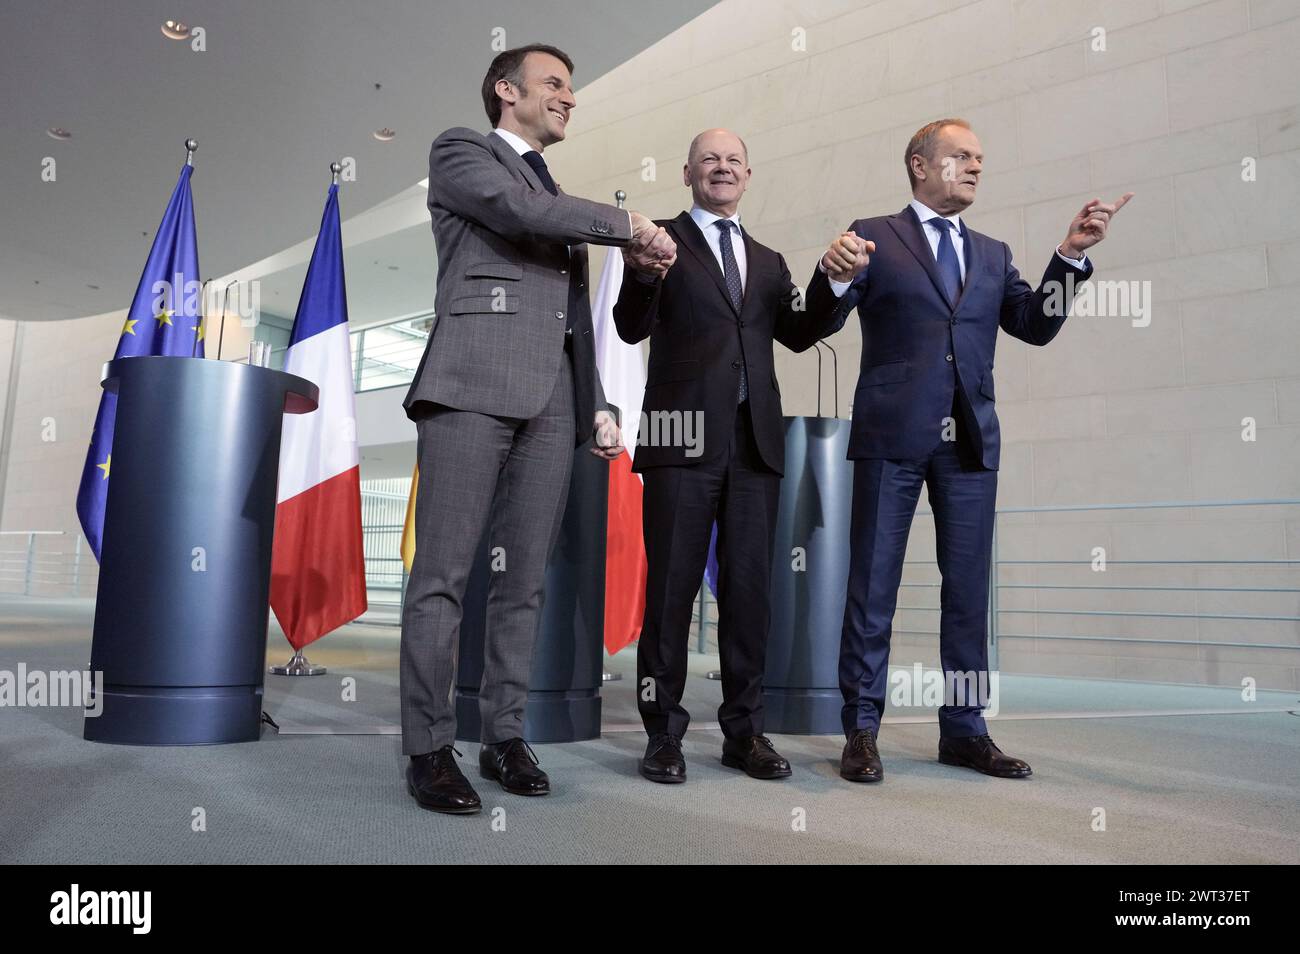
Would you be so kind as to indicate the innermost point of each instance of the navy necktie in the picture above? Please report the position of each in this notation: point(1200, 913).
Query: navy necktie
point(949, 268)
point(534, 159)
point(731, 272)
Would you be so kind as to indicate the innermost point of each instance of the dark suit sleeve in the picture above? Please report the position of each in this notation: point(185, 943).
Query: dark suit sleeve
point(826, 310)
point(804, 318)
point(1036, 315)
point(637, 307)
point(465, 177)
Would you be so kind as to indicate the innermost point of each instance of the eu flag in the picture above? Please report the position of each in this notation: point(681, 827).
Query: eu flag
point(165, 319)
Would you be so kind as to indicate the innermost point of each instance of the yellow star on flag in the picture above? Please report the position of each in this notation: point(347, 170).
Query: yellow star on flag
point(164, 317)
point(129, 327)
point(200, 328)
point(104, 466)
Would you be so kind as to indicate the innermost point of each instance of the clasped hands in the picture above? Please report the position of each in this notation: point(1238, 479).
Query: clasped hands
point(651, 252)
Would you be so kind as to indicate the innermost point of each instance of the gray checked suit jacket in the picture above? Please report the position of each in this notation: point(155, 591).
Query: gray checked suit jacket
point(504, 271)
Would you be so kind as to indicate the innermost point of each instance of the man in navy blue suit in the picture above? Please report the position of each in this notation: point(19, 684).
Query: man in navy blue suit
point(931, 295)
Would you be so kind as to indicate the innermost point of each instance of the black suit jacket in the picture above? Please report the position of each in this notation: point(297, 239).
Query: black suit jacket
point(698, 342)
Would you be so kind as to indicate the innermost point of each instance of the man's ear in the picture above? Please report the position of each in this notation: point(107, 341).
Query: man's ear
point(506, 91)
point(918, 166)
point(686, 175)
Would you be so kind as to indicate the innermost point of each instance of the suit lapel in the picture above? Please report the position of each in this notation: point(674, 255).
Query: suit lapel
point(907, 226)
point(508, 157)
point(695, 243)
point(974, 261)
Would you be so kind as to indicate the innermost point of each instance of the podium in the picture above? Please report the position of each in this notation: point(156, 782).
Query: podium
point(564, 689)
point(801, 692)
point(185, 577)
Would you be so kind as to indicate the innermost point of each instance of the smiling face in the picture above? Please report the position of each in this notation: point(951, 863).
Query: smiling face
point(537, 109)
point(946, 180)
point(717, 170)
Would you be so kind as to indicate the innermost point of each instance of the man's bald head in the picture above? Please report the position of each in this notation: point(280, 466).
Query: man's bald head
point(717, 170)
point(716, 137)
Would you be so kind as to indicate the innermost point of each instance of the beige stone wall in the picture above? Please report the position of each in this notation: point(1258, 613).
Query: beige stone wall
point(1109, 413)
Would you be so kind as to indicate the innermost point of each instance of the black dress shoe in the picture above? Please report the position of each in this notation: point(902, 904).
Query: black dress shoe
point(860, 761)
point(979, 753)
point(754, 754)
point(436, 783)
point(514, 765)
point(663, 760)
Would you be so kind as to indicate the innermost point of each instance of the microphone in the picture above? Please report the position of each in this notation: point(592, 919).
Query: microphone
point(225, 297)
point(835, 366)
point(817, 348)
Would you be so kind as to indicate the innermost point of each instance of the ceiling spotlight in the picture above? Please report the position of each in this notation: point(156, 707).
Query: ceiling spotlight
point(385, 134)
point(58, 132)
point(175, 30)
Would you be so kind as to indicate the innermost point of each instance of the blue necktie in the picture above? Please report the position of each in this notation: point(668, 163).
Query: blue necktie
point(731, 272)
point(949, 268)
point(534, 159)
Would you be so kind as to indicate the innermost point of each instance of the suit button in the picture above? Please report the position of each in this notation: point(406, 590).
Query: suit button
point(742, 324)
point(947, 357)
point(564, 271)
point(735, 364)
point(560, 315)
point(953, 322)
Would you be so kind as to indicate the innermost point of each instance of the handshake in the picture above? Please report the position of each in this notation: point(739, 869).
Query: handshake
point(651, 252)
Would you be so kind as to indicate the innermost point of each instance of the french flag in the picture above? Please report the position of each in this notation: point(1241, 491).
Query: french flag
point(318, 571)
point(622, 374)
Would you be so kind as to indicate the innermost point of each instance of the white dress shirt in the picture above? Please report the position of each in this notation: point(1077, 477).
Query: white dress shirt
point(705, 220)
point(933, 234)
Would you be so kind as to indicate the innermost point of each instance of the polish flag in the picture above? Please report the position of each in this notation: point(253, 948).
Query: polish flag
point(318, 572)
point(622, 374)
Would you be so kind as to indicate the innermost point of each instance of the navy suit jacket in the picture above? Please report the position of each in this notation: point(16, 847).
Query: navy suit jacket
point(913, 336)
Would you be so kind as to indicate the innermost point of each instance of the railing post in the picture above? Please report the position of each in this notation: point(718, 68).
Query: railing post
point(31, 556)
point(993, 598)
point(701, 637)
point(76, 567)
point(361, 359)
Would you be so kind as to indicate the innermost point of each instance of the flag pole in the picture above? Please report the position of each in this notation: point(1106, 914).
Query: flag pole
point(606, 676)
point(298, 664)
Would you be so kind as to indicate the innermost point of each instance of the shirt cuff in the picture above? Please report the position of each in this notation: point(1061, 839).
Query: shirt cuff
point(1080, 263)
point(837, 288)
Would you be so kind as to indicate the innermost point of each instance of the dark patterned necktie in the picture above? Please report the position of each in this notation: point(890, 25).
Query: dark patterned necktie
point(731, 272)
point(534, 159)
point(949, 268)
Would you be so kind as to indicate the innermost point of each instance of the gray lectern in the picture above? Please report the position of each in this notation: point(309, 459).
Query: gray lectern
point(564, 691)
point(185, 575)
point(801, 686)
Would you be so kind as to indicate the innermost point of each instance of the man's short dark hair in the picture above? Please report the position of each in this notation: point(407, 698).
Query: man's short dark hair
point(509, 66)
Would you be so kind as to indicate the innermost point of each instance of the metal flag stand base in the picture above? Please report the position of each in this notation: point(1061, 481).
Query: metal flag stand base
point(297, 666)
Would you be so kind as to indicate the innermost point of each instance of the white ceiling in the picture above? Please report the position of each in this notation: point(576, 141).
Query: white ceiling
point(283, 88)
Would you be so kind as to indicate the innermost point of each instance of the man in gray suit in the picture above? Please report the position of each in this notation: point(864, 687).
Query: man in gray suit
point(506, 388)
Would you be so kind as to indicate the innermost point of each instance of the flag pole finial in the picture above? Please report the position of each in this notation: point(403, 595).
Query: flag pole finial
point(190, 146)
point(335, 169)
point(620, 197)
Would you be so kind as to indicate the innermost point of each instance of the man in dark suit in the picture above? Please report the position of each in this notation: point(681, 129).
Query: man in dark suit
point(506, 388)
point(931, 302)
point(715, 448)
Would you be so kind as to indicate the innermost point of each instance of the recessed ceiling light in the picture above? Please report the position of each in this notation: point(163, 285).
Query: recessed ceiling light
point(58, 132)
point(175, 30)
point(385, 134)
point(392, 268)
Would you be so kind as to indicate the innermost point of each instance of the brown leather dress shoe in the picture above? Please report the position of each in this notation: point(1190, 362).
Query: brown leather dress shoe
point(979, 753)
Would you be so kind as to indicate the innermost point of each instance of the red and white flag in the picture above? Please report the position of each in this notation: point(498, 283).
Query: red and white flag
point(622, 373)
point(318, 571)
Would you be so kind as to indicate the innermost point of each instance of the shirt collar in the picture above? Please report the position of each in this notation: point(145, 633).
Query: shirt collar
point(924, 212)
point(517, 143)
point(704, 218)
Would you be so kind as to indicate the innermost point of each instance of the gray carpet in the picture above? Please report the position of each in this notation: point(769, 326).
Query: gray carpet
point(1175, 788)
